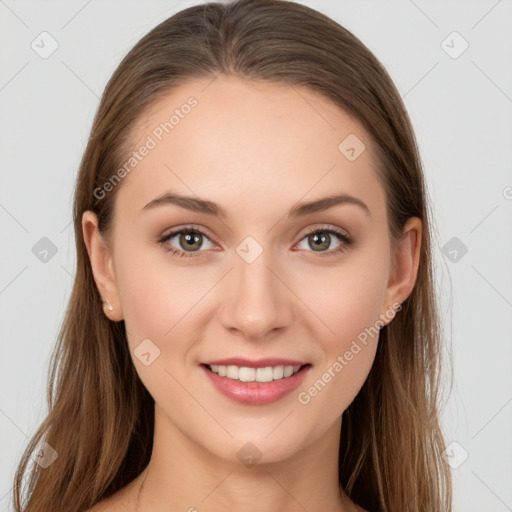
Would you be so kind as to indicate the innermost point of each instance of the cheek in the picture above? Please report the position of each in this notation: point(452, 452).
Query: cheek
point(158, 300)
point(161, 302)
point(348, 352)
point(155, 291)
point(347, 299)
point(348, 302)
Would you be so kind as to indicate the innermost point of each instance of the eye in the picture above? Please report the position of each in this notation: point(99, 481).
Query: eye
point(191, 239)
point(321, 238)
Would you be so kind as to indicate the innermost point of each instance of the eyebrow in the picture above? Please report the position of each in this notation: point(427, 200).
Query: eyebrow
point(300, 210)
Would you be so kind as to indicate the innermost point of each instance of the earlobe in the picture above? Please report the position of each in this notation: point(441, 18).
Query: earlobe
point(405, 263)
point(102, 266)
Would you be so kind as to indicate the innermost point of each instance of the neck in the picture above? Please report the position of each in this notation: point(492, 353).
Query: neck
point(182, 475)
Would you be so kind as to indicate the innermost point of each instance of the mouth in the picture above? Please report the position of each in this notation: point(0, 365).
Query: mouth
point(257, 384)
point(255, 374)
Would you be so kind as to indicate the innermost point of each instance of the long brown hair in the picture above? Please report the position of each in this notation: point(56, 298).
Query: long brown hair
point(101, 417)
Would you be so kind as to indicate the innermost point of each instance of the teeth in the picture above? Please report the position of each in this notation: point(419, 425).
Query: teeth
point(245, 374)
point(232, 372)
point(278, 372)
point(264, 374)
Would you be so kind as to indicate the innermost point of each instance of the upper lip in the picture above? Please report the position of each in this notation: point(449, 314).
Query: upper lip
point(260, 363)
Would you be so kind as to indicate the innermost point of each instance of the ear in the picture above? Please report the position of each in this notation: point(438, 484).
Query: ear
point(102, 265)
point(404, 267)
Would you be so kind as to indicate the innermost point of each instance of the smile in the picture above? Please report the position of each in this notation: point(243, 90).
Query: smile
point(245, 374)
point(259, 384)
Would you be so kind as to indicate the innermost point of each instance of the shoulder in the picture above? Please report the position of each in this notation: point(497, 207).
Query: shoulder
point(121, 501)
point(106, 505)
point(109, 505)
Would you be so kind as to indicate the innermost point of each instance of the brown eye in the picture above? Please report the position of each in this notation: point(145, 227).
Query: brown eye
point(191, 240)
point(184, 241)
point(320, 241)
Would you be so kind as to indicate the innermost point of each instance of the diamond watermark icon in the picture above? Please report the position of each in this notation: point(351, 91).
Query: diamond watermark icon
point(454, 249)
point(455, 454)
point(146, 352)
point(351, 147)
point(454, 45)
point(249, 455)
point(45, 456)
point(44, 45)
point(249, 249)
point(44, 250)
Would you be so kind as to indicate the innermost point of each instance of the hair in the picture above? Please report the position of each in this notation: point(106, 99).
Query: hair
point(101, 417)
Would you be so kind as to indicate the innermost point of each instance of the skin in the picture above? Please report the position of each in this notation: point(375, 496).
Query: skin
point(256, 149)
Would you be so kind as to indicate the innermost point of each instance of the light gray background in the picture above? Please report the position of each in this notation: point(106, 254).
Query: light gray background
point(461, 109)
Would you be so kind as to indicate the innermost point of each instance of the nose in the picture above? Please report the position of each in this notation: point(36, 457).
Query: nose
point(256, 300)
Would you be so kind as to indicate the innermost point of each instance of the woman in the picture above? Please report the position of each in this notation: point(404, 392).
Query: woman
point(253, 322)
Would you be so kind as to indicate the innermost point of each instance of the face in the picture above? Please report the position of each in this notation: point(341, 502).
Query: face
point(257, 276)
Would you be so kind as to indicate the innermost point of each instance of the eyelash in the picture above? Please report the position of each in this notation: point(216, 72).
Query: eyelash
point(346, 240)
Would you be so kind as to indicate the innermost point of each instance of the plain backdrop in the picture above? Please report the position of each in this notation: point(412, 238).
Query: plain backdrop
point(451, 62)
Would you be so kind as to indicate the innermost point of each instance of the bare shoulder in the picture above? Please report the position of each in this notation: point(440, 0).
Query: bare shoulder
point(109, 505)
point(121, 501)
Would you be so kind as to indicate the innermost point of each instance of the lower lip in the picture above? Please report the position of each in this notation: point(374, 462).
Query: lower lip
point(256, 393)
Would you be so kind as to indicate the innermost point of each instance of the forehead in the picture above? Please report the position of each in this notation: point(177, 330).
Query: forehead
point(242, 141)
